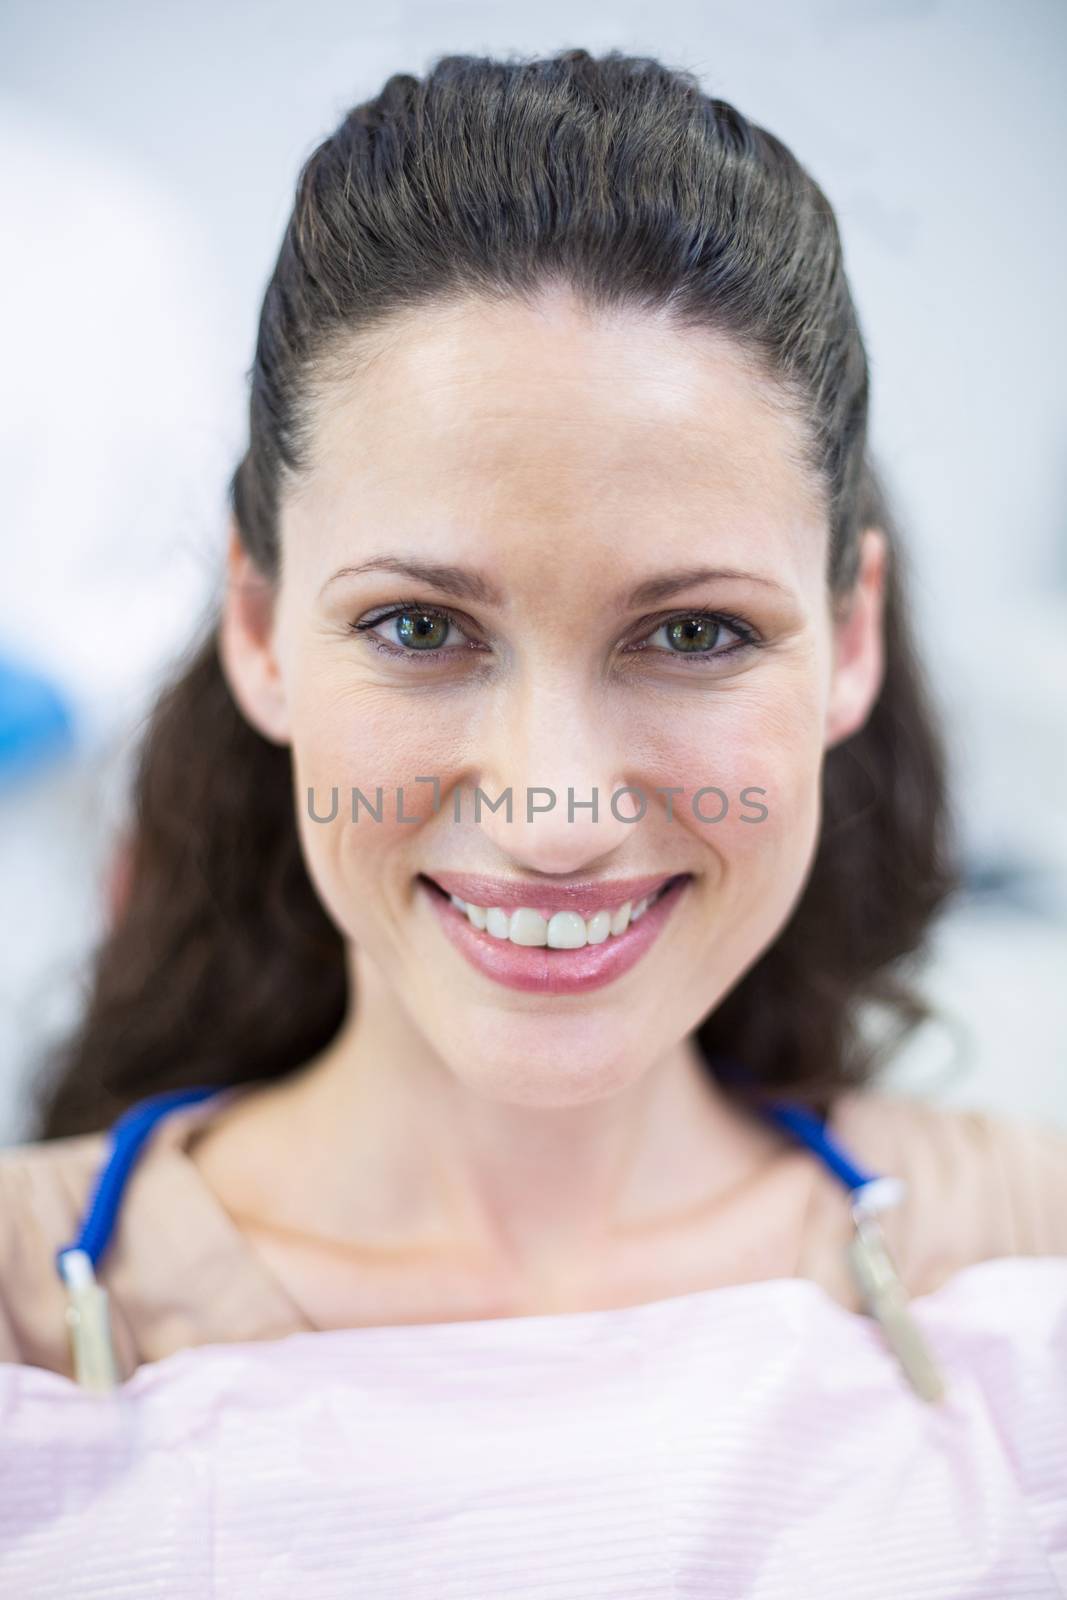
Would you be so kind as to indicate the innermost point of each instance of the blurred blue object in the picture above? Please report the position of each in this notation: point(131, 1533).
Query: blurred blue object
point(36, 722)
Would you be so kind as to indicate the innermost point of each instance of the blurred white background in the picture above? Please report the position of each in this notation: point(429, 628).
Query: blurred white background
point(149, 157)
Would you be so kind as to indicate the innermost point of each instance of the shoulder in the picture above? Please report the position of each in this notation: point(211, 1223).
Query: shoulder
point(980, 1184)
point(178, 1272)
point(44, 1189)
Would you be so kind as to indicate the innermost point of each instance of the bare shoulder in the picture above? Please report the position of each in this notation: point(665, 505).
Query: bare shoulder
point(44, 1187)
point(980, 1183)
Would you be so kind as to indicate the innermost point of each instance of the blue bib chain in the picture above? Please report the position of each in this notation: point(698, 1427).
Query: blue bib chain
point(87, 1310)
point(869, 1194)
point(872, 1265)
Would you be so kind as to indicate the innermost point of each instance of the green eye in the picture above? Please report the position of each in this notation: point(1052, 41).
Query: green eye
point(692, 634)
point(421, 630)
point(702, 638)
point(416, 630)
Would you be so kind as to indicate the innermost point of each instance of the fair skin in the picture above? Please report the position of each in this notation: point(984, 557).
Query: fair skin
point(490, 1150)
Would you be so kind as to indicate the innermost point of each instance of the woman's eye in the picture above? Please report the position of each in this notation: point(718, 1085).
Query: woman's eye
point(696, 636)
point(412, 631)
point(416, 632)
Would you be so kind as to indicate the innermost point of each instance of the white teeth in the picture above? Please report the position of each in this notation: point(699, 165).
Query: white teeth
point(565, 930)
point(528, 927)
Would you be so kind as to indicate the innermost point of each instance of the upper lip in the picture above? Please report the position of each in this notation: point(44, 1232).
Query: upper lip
point(584, 896)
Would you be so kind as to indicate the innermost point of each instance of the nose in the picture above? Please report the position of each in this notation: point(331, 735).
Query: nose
point(572, 799)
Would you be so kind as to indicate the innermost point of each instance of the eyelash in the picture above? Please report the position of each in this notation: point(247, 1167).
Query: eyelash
point(749, 638)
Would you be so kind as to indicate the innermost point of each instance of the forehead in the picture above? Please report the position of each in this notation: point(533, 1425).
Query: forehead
point(510, 417)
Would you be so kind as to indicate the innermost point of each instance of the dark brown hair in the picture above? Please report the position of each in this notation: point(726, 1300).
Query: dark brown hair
point(621, 179)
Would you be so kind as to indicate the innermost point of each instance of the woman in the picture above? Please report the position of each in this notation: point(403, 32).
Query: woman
point(557, 489)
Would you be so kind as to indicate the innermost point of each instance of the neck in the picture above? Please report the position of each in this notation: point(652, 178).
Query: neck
point(394, 1149)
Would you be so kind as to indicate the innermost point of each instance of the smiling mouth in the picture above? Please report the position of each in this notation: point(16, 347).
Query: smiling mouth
point(561, 931)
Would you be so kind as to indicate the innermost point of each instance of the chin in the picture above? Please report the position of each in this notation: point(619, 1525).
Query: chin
point(542, 1075)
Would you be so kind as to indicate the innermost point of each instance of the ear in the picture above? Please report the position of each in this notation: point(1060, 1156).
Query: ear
point(858, 643)
point(246, 644)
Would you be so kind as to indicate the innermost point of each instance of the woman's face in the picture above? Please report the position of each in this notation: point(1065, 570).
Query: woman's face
point(553, 467)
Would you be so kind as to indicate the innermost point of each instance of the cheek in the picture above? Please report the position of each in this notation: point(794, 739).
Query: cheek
point(349, 733)
point(757, 741)
point(346, 739)
point(758, 757)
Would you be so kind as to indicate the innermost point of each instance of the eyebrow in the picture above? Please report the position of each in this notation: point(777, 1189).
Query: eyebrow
point(462, 582)
point(467, 584)
point(653, 589)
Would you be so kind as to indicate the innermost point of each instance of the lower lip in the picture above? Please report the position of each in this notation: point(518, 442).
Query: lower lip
point(539, 970)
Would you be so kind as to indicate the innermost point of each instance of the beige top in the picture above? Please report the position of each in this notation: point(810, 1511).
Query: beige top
point(180, 1272)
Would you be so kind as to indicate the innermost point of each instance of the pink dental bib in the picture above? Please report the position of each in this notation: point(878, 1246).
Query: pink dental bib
point(754, 1442)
